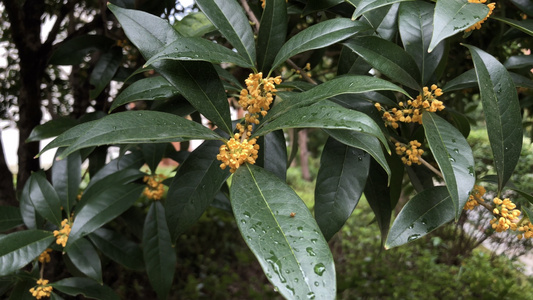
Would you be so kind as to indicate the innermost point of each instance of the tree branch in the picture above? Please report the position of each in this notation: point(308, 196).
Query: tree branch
point(63, 12)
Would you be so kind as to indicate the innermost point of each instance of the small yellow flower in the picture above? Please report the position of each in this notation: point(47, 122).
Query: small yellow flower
point(505, 215)
point(45, 256)
point(42, 289)
point(62, 234)
point(154, 189)
point(526, 229)
point(235, 153)
point(410, 155)
point(478, 24)
point(475, 197)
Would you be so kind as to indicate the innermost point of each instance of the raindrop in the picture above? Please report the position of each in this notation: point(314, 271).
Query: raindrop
point(316, 283)
point(290, 289)
point(246, 214)
point(114, 127)
point(424, 222)
point(243, 221)
point(413, 237)
point(411, 226)
point(275, 264)
point(452, 159)
point(296, 280)
point(320, 269)
point(300, 229)
point(471, 170)
point(314, 241)
point(456, 150)
point(310, 251)
point(310, 295)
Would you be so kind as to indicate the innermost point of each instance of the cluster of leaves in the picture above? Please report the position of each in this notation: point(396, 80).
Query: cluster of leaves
point(405, 44)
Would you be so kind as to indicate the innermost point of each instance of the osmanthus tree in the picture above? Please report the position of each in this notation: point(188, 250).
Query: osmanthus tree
point(391, 112)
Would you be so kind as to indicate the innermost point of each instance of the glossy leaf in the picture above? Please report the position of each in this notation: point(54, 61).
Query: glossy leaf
point(327, 115)
point(66, 179)
point(502, 113)
point(198, 49)
point(313, 6)
point(153, 154)
point(20, 290)
point(87, 287)
point(384, 21)
point(230, 19)
point(424, 213)
point(317, 36)
point(51, 128)
point(525, 25)
point(118, 248)
point(19, 248)
point(273, 154)
point(339, 185)
point(365, 142)
point(272, 33)
point(291, 250)
point(9, 217)
point(388, 58)
point(194, 24)
point(84, 257)
point(193, 188)
point(104, 70)
point(453, 16)
point(416, 27)
point(131, 127)
point(132, 160)
point(73, 51)
point(369, 5)
point(159, 255)
point(518, 62)
point(152, 88)
point(100, 210)
point(454, 157)
point(31, 218)
point(44, 198)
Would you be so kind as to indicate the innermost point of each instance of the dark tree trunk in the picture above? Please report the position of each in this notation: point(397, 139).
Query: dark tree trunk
point(7, 191)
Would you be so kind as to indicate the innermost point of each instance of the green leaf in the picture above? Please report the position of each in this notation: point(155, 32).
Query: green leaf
point(118, 248)
point(339, 185)
point(230, 19)
point(159, 255)
point(525, 25)
point(454, 157)
point(193, 188)
point(87, 287)
point(133, 160)
point(291, 250)
point(51, 128)
point(66, 179)
point(192, 48)
point(365, 142)
point(369, 5)
point(416, 27)
point(519, 62)
point(44, 198)
point(95, 213)
point(384, 21)
point(104, 70)
point(73, 51)
point(194, 25)
point(152, 88)
point(273, 153)
point(84, 257)
point(388, 58)
point(453, 16)
point(10, 217)
point(317, 36)
point(153, 154)
point(313, 6)
point(31, 218)
point(502, 112)
point(272, 33)
point(327, 115)
point(131, 127)
point(424, 213)
point(20, 248)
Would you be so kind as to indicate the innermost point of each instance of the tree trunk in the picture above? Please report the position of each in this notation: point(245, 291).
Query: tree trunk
point(7, 191)
point(304, 154)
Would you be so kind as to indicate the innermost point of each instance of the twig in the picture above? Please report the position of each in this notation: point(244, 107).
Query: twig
point(302, 72)
point(430, 167)
point(251, 15)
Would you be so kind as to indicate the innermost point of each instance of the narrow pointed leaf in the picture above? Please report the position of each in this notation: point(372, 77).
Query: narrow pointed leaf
point(118, 248)
point(273, 153)
point(519, 62)
point(20, 248)
point(453, 16)
point(84, 257)
point(291, 250)
point(51, 128)
point(153, 154)
point(159, 255)
point(132, 160)
point(31, 218)
point(66, 179)
point(230, 19)
point(454, 157)
point(369, 5)
point(152, 88)
point(87, 287)
point(272, 33)
point(339, 185)
point(44, 198)
point(388, 58)
point(9, 217)
point(317, 36)
point(191, 48)
point(131, 127)
point(100, 210)
point(104, 70)
point(193, 188)
point(502, 113)
point(384, 21)
point(20, 290)
point(525, 25)
point(424, 213)
point(194, 24)
point(416, 27)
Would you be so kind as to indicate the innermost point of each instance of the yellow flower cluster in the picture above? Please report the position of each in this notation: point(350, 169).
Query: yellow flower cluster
point(475, 197)
point(45, 256)
point(527, 230)
point(409, 155)
point(411, 112)
point(42, 289)
point(258, 95)
point(505, 215)
point(155, 188)
point(235, 153)
point(478, 24)
point(263, 3)
point(62, 234)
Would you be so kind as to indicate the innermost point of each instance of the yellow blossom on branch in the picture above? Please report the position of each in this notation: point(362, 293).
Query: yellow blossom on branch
point(505, 215)
point(410, 155)
point(475, 197)
point(526, 229)
point(258, 95)
point(42, 289)
point(235, 153)
point(478, 24)
point(154, 189)
point(62, 234)
point(45, 256)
